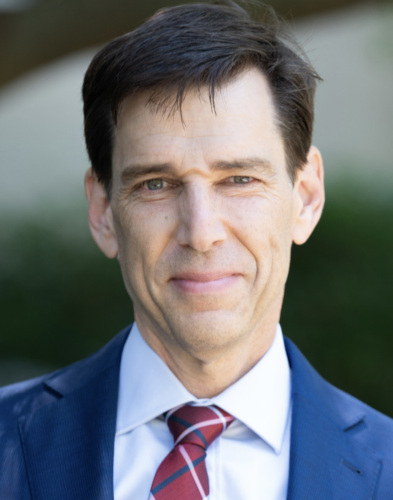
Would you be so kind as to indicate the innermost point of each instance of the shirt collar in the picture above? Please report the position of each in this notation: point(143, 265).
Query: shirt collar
point(261, 399)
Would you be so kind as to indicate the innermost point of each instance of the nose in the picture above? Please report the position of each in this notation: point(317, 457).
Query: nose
point(201, 225)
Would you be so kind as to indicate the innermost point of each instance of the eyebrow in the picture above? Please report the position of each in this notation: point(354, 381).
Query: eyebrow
point(244, 163)
point(136, 171)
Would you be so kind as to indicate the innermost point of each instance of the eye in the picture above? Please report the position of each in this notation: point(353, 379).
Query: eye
point(154, 184)
point(241, 179)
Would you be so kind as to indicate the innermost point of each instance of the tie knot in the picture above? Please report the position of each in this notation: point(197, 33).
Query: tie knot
point(199, 425)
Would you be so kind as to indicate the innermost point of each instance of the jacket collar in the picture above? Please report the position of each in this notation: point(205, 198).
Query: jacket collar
point(326, 459)
point(68, 442)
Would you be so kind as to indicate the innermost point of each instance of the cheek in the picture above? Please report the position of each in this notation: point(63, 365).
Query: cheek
point(258, 222)
point(264, 228)
point(143, 235)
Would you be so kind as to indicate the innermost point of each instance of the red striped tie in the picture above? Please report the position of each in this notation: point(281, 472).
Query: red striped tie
point(182, 473)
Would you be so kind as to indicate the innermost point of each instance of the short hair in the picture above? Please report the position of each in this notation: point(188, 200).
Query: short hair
point(198, 46)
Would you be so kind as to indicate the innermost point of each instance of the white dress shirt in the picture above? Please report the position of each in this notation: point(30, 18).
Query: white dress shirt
point(250, 460)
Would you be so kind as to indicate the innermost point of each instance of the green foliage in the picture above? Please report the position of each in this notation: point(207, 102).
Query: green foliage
point(61, 299)
point(338, 299)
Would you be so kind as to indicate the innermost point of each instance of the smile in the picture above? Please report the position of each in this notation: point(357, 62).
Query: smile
point(205, 282)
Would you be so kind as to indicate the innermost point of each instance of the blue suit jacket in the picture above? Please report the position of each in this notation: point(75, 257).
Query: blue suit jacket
point(57, 436)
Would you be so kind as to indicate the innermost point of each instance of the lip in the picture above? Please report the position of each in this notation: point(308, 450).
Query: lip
point(207, 282)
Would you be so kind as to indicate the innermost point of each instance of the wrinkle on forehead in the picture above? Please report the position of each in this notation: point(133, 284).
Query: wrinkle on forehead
point(149, 138)
point(169, 105)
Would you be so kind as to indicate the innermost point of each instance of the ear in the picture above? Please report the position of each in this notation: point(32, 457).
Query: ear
point(100, 215)
point(310, 193)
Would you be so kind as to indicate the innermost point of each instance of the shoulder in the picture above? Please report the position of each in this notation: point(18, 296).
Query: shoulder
point(46, 416)
point(371, 428)
point(18, 399)
point(28, 396)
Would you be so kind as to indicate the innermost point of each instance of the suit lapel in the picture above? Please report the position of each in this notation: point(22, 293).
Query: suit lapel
point(68, 442)
point(326, 462)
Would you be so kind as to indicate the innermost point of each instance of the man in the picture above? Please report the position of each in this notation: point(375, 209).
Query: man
point(198, 125)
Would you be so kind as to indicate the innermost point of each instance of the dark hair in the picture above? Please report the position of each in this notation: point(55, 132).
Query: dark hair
point(194, 46)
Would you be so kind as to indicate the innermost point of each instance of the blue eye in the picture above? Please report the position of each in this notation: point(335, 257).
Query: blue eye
point(154, 184)
point(241, 179)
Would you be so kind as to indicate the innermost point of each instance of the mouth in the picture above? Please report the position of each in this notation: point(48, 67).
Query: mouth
point(207, 282)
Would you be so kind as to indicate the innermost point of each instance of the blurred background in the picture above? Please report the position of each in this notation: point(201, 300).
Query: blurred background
point(60, 299)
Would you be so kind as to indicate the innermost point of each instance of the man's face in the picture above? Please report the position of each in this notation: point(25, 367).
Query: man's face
point(204, 214)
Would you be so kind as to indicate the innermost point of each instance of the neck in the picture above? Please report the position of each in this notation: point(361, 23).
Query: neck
point(207, 374)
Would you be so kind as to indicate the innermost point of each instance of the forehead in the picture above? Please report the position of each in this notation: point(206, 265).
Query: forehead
point(243, 117)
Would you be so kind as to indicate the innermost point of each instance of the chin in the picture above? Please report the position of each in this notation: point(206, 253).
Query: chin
point(208, 331)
